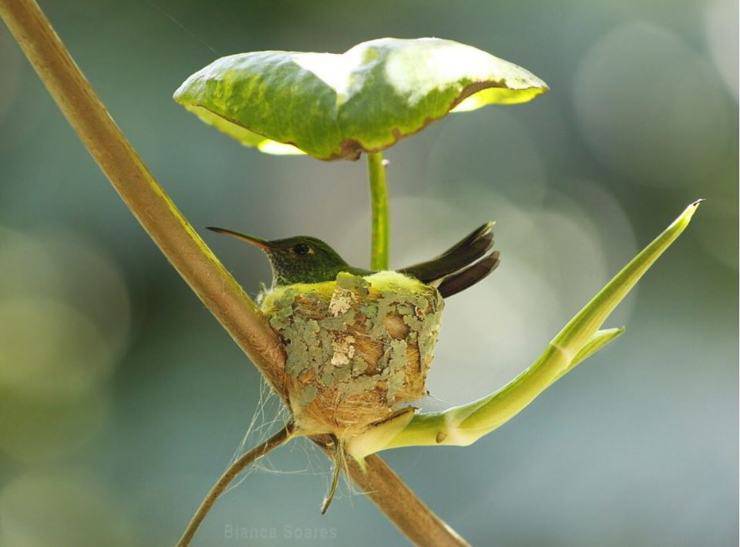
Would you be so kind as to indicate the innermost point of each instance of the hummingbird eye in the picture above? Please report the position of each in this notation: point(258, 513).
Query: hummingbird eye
point(302, 249)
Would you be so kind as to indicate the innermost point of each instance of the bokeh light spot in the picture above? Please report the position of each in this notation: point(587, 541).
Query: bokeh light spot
point(652, 109)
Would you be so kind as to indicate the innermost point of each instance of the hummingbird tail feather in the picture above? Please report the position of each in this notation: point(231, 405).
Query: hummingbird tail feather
point(468, 277)
point(459, 256)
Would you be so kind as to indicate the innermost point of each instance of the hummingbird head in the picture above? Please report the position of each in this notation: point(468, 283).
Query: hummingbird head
point(299, 259)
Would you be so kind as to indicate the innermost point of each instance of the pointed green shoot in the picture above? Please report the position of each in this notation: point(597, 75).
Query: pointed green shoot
point(578, 340)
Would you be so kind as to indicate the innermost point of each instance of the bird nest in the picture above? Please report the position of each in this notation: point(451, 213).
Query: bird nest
point(358, 348)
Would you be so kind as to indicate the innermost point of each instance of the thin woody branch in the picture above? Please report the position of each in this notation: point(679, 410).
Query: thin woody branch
point(262, 449)
point(186, 251)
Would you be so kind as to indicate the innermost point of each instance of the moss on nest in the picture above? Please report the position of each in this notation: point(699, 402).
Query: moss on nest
point(358, 348)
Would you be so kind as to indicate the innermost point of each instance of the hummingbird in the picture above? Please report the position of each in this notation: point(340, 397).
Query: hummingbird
point(305, 259)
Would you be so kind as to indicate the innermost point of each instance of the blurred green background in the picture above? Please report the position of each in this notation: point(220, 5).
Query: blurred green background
point(121, 399)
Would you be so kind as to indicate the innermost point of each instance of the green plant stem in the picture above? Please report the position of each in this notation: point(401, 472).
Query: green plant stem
point(380, 239)
point(184, 248)
point(278, 439)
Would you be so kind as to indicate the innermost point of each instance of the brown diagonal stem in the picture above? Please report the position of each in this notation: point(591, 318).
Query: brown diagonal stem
point(149, 203)
point(402, 506)
point(184, 248)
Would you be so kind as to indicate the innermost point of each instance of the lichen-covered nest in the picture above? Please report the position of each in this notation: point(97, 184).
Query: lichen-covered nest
point(358, 348)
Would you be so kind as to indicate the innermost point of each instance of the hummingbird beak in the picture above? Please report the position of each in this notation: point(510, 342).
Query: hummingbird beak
point(255, 241)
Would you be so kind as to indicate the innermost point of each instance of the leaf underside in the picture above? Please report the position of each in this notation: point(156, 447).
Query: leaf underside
point(335, 106)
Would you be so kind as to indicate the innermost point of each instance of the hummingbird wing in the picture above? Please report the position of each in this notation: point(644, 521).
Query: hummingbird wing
point(461, 265)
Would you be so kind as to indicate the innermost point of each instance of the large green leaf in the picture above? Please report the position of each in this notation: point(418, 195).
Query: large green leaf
point(335, 106)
